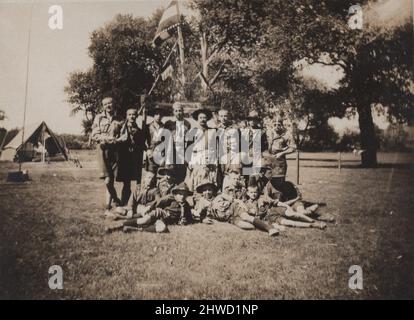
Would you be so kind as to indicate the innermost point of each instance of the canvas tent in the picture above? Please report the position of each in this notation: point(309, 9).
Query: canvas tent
point(38, 139)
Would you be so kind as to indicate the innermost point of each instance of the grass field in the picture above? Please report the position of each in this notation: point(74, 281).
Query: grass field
point(56, 219)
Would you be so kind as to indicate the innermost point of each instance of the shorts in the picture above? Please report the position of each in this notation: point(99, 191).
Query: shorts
point(275, 215)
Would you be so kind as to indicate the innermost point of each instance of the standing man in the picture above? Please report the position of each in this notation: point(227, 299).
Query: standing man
point(104, 130)
point(253, 132)
point(130, 149)
point(228, 145)
point(202, 166)
point(280, 145)
point(155, 129)
point(178, 128)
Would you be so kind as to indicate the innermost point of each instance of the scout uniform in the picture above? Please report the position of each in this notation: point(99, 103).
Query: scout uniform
point(200, 167)
point(203, 206)
point(165, 185)
point(251, 135)
point(222, 208)
point(178, 130)
point(130, 153)
point(257, 208)
point(106, 127)
point(250, 214)
point(170, 211)
point(259, 179)
point(144, 198)
point(234, 178)
point(155, 131)
point(278, 142)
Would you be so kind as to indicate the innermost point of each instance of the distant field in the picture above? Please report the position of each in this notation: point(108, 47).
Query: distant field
point(56, 219)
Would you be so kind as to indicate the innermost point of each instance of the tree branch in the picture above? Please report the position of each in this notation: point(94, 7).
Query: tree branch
point(215, 49)
point(218, 73)
point(342, 65)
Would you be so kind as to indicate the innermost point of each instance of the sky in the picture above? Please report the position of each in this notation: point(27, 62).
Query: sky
point(54, 54)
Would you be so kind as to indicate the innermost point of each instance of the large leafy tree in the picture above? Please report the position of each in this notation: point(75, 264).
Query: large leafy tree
point(124, 64)
point(270, 37)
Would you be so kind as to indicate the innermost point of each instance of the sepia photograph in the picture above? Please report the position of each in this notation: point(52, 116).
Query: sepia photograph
point(213, 150)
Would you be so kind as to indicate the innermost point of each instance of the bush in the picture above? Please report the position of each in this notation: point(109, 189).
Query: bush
point(394, 138)
point(76, 142)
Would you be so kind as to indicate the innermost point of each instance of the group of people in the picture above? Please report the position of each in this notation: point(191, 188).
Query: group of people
point(203, 171)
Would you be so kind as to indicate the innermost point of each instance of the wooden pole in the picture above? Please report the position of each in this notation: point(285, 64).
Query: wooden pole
point(144, 131)
point(27, 84)
point(44, 146)
point(297, 166)
point(181, 48)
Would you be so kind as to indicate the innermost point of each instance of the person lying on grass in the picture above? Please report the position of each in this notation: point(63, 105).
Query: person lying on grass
point(249, 212)
point(288, 207)
point(171, 209)
point(226, 208)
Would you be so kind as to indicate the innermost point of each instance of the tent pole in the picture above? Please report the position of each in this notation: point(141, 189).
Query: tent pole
point(44, 146)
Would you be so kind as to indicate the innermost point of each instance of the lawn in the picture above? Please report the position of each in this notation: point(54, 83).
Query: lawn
point(56, 219)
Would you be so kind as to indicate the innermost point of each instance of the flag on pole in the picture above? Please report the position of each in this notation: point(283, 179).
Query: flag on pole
point(167, 72)
point(170, 19)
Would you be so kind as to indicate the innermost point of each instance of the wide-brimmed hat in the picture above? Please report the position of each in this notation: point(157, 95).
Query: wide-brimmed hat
point(207, 112)
point(182, 187)
point(253, 115)
point(204, 185)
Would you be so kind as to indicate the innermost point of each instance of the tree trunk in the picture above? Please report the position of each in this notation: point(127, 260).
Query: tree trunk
point(369, 144)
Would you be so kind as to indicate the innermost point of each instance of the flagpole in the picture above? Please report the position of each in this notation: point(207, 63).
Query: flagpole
point(27, 84)
point(159, 75)
point(181, 48)
point(163, 66)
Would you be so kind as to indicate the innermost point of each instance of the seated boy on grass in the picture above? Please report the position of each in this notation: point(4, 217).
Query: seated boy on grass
point(226, 208)
point(171, 209)
point(203, 204)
